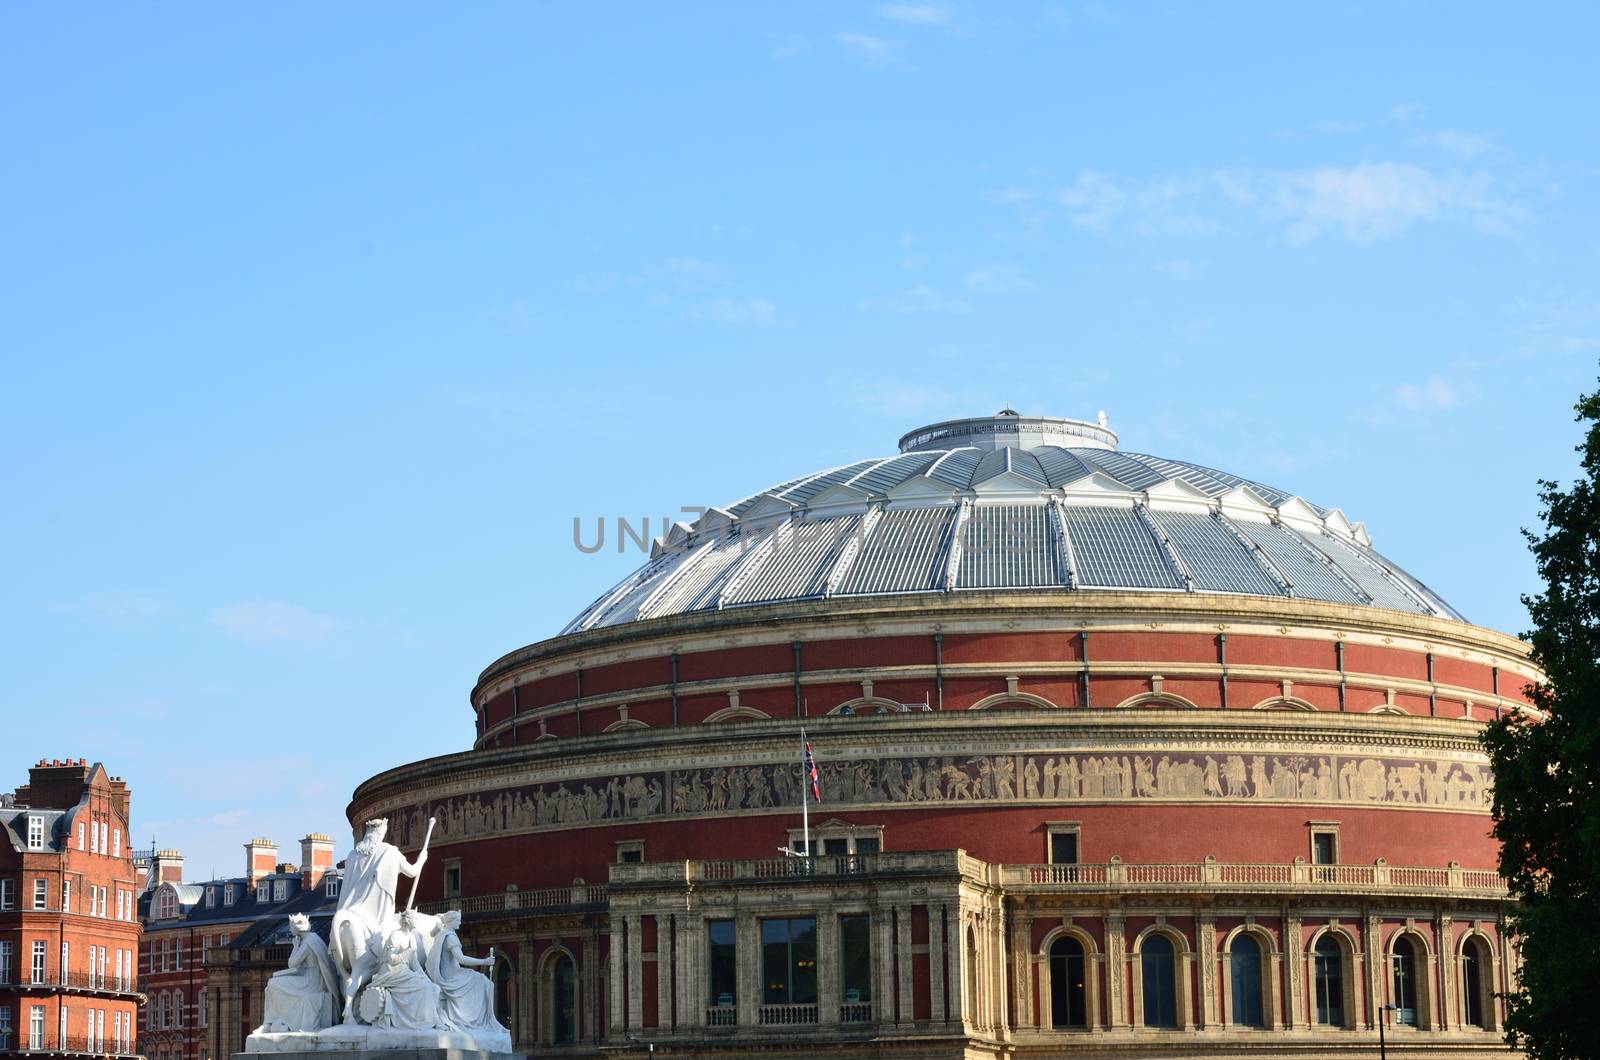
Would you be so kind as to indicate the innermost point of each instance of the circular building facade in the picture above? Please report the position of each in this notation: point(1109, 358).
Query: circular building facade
point(1115, 754)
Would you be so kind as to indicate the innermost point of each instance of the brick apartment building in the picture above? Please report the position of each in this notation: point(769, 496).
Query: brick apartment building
point(190, 927)
point(69, 926)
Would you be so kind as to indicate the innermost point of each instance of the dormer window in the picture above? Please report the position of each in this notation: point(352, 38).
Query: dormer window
point(280, 890)
point(228, 896)
point(35, 833)
point(166, 903)
point(330, 886)
point(211, 897)
point(263, 892)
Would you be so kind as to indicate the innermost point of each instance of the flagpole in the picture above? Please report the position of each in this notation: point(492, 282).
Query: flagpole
point(805, 801)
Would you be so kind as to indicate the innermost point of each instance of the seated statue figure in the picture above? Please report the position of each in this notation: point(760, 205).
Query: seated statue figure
point(301, 997)
point(400, 995)
point(466, 996)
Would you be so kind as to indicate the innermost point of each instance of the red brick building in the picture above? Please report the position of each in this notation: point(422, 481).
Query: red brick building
point(1119, 755)
point(188, 927)
point(69, 927)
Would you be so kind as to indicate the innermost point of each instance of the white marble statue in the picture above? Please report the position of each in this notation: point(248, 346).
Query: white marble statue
point(367, 907)
point(466, 996)
point(400, 995)
point(301, 997)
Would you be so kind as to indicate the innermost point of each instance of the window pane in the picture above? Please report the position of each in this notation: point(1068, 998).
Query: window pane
point(1328, 969)
point(867, 845)
point(1160, 984)
point(1322, 847)
point(1245, 981)
point(724, 967)
point(1405, 983)
point(1068, 987)
point(789, 961)
point(1063, 848)
point(836, 846)
point(855, 944)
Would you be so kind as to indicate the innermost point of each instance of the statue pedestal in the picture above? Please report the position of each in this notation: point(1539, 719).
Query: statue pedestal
point(377, 1042)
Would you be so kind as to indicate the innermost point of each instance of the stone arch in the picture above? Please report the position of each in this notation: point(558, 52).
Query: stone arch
point(868, 705)
point(1387, 708)
point(1284, 703)
point(1182, 961)
point(1349, 979)
point(1021, 699)
point(1158, 701)
point(739, 713)
point(1271, 979)
point(559, 1021)
point(1091, 972)
point(624, 725)
point(1488, 976)
point(1423, 965)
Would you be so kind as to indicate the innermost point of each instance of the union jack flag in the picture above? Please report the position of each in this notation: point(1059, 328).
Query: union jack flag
point(811, 771)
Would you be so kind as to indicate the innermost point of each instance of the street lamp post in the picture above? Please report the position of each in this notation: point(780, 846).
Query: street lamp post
point(1383, 1017)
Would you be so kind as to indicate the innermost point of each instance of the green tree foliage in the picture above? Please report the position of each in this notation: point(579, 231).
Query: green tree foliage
point(1547, 779)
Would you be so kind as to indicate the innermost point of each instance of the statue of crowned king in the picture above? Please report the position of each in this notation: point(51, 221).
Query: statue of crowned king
point(387, 978)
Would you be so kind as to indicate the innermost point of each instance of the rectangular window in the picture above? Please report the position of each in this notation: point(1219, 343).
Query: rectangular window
point(330, 886)
point(41, 894)
point(452, 880)
point(855, 949)
point(280, 890)
point(61, 1028)
point(722, 963)
point(80, 836)
point(94, 837)
point(38, 968)
point(211, 897)
point(66, 962)
point(35, 833)
point(1324, 848)
point(227, 894)
point(836, 847)
point(8, 894)
point(36, 1027)
point(1063, 843)
point(263, 892)
point(177, 956)
point(789, 961)
point(5, 965)
point(116, 842)
point(630, 851)
point(868, 844)
point(66, 896)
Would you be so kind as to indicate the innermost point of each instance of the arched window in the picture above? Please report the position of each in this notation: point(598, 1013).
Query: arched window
point(564, 1001)
point(1069, 994)
point(1157, 966)
point(1327, 970)
point(1475, 983)
point(1405, 982)
point(1245, 981)
point(505, 990)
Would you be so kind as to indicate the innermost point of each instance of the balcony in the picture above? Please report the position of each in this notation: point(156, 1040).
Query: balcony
point(75, 983)
point(721, 1016)
point(1298, 876)
point(70, 1046)
point(786, 1015)
point(546, 899)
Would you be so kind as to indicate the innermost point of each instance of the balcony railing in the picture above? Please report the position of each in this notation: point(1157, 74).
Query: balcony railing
point(721, 1016)
point(786, 1015)
point(75, 1045)
point(855, 1012)
point(76, 981)
point(511, 901)
point(1298, 875)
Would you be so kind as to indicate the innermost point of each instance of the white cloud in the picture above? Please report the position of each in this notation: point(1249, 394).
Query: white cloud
point(1361, 203)
point(740, 311)
point(999, 279)
point(869, 50)
point(1461, 144)
point(919, 14)
point(269, 621)
point(1434, 394)
point(916, 300)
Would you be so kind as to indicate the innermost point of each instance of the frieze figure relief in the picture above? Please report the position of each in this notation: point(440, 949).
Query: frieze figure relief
point(863, 781)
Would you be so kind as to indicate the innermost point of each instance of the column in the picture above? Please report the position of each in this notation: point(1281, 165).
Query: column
point(956, 959)
point(1022, 1014)
point(619, 933)
point(829, 958)
point(884, 956)
point(902, 945)
point(1205, 929)
point(635, 963)
point(747, 952)
point(936, 961)
point(591, 976)
point(1116, 969)
point(691, 973)
point(1375, 969)
point(1294, 954)
point(666, 943)
point(1444, 946)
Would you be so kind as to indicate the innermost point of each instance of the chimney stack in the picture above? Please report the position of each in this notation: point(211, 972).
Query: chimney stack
point(261, 858)
point(166, 867)
point(316, 858)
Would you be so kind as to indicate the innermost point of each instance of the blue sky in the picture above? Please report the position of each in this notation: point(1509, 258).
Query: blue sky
point(319, 327)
